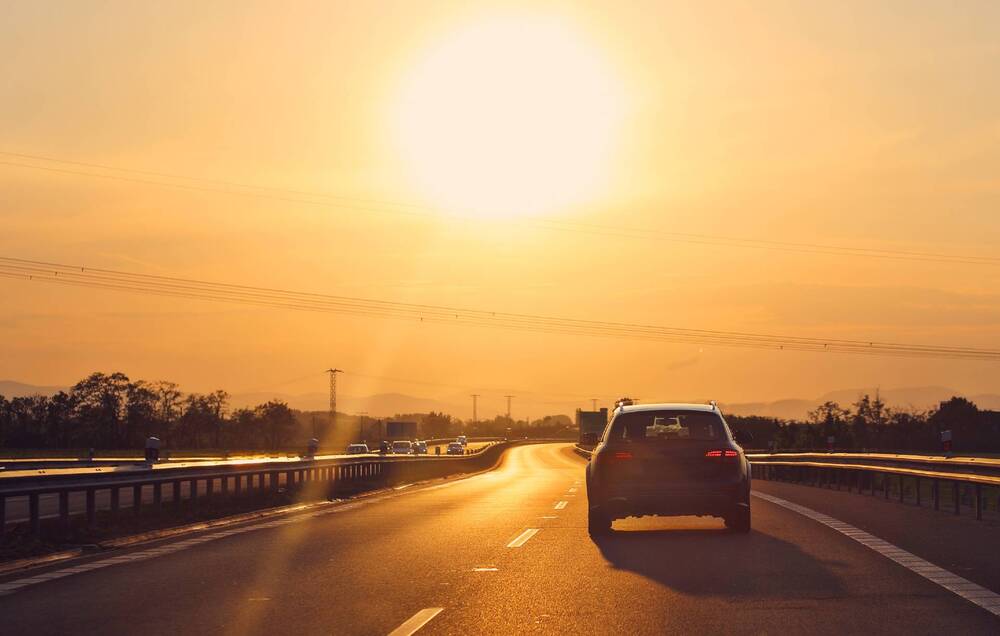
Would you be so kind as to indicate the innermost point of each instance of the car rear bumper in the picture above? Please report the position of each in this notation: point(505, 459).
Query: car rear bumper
point(635, 502)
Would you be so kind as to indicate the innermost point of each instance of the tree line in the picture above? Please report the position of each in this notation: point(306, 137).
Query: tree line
point(870, 425)
point(111, 411)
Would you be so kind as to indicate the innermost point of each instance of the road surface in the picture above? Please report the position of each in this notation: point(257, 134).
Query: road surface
point(502, 552)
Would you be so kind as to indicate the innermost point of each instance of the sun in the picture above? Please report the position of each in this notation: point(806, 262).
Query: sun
point(508, 117)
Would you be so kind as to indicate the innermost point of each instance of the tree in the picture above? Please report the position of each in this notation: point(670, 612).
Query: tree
point(140, 413)
point(964, 420)
point(101, 402)
point(278, 423)
point(168, 408)
point(246, 428)
point(868, 422)
point(196, 420)
point(830, 420)
point(437, 425)
point(217, 403)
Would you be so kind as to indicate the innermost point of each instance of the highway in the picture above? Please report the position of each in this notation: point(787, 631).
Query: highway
point(507, 551)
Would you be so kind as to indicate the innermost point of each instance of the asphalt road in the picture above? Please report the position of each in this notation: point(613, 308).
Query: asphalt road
point(496, 553)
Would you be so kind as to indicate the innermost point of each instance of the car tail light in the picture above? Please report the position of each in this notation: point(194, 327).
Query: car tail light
point(722, 454)
point(622, 455)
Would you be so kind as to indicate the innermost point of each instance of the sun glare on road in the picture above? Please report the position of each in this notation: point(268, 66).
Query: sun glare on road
point(508, 117)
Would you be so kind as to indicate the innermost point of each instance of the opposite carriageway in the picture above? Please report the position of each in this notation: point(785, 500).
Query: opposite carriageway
point(85, 490)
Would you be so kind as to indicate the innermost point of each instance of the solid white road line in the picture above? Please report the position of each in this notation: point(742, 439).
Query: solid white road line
point(523, 538)
point(561, 505)
point(984, 598)
point(416, 621)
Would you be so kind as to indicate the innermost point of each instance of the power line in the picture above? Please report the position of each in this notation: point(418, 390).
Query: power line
point(290, 195)
point(98, 278)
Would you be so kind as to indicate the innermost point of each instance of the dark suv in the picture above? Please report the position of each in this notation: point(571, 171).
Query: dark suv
point(668, 459)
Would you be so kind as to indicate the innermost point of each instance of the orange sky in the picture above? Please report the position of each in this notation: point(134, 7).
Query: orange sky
point(861, 124)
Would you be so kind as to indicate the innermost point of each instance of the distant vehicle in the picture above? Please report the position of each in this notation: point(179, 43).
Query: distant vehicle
point(402, 447)
point(419, 448)
point(357, 449)
point(456, 448)
point(668, 459)
point(461, 439)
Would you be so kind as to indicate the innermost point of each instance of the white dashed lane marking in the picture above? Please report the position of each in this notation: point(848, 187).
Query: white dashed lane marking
point(561, 505)
point(523, 538)
point(415, 622)
point(984, 598)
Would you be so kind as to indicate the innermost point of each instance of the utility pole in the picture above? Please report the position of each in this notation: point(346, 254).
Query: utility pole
point(333, 398)
point(475, 396)
point(508, 406)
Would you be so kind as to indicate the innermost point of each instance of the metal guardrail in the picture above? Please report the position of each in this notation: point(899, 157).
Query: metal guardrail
point(315, 478)
point(965, 478)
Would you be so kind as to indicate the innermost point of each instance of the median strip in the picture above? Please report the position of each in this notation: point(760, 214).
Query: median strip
point(984, 598)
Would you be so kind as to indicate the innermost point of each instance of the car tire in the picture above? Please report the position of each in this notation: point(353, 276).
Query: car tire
point(598, 523)
point(739, 520)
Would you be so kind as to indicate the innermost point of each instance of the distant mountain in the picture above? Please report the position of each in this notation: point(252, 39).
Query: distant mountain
point(917, 398)
point(389, 404)
point(10, 389)
point(380, 405)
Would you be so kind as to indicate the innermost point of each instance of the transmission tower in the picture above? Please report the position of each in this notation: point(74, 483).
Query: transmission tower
point(333, 396)
point(474, 396)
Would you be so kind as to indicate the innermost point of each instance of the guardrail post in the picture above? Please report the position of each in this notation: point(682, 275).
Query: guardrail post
point(274, 481)
point(979, 502)
point(224, 483)
point(158, 495)
point(176, 493)
point(136, 499)
point(193, 491)
point(114, 502)
point(64, 510)
point(237, 485)
point(91, 506)
point(35, 519)
point(209, 487)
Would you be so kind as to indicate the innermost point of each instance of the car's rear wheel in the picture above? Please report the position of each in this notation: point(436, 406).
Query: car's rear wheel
point(739, 520)
point(598, 523)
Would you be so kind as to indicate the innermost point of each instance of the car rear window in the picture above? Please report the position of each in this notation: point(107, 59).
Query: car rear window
point(667, 426)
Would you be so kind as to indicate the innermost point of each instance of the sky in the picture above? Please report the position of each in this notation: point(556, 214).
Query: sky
point(470, 149)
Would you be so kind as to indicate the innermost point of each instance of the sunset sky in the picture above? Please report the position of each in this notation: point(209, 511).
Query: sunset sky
point(435, 143)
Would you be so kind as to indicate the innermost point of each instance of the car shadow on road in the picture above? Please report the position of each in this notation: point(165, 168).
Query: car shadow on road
point(717, 562)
